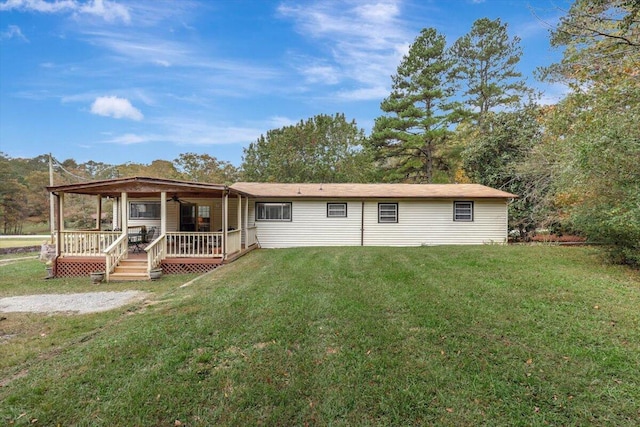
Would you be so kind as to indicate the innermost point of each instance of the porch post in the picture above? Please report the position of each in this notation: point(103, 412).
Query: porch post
point(58, 225)
point(163, 219)
point(123, 212)
point(99, 210)
point(240, 213)
point(163, 212)
point(245, 224)
point(225, 221)
point(61, 212)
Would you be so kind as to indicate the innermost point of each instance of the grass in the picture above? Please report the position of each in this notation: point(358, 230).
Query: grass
point(10, 242)
point(487, 335)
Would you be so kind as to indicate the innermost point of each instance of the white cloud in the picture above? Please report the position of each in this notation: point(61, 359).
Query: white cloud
point(363, 94)
point(277, 122)
point(130, 139)
point(105, 9)
point(198, 132)
point(552, 93)
point(39, 5)
point(13, 32)
point(118, 108)
point(364, 41)
point(325, 74)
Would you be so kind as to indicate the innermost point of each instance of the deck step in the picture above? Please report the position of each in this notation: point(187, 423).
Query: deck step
point(130, 269)
point(133, 262)
point(128, 276)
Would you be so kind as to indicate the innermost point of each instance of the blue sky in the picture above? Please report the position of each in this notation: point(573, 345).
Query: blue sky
point(119, 81)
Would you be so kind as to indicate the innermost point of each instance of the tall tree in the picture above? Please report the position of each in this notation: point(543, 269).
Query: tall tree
point(601, 40)
point(486, 60)
point(206, 168)
point(323, 148)
point(595, 130)
point(410, 140)
point(496, 157)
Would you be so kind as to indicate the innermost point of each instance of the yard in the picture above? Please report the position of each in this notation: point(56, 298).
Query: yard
point(481, 335)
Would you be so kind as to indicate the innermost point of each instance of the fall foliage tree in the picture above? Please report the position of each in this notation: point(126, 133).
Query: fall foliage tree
point(595, 132)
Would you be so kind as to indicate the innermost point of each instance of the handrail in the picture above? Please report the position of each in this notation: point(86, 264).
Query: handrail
point(156, 252)
point(85, 243)
point(252, 236)
point(115, 253)
point(234, 241)
point(194, 244)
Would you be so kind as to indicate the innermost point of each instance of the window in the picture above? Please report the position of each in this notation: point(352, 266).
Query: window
point(204, 218)
point(144, 210)
point(273, 211)
point(387, 212)
point(463, 211)
point(336, 210)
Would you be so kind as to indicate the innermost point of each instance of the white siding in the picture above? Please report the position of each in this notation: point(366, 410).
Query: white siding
point(309, 226)
point(430, 222)
point(420, 222)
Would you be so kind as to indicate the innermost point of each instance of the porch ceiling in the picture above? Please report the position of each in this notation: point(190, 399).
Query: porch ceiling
point(144, 187)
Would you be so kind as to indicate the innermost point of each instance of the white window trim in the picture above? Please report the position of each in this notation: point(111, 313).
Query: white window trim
point(342, 214)
point(470, 208)
point(131, 203)
point(281, 204)
point(388, 219)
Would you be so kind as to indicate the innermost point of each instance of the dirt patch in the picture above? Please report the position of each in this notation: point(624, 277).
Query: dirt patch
point(89, 302)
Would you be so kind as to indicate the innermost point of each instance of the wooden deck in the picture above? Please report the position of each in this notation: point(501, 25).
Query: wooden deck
point(79, 266)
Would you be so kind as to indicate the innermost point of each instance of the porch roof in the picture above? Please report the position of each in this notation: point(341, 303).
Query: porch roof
point(145, 187)
point(359, 191)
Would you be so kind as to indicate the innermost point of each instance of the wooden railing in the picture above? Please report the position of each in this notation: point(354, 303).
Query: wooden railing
point(86, 243)
point(234, 241)
point(252, 236)
point(194, 245)
point(155, 252)
point(115, 253)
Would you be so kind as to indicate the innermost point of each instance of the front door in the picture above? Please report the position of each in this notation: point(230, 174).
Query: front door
point(188, 217)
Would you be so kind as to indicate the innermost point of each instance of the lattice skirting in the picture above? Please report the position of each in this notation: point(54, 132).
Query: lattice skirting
point(177, 267)
point(83, 267)
point(78, 268)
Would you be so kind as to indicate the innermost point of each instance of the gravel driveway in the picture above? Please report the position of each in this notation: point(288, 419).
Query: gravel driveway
point(89, 302)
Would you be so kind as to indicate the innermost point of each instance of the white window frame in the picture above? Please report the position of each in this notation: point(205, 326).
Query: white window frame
point(463, 211)
point(384, 216)
point(143, 209)
point(261, 209)
point(336, 210)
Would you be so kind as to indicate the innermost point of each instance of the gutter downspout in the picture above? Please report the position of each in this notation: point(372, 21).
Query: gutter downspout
point(362, 225)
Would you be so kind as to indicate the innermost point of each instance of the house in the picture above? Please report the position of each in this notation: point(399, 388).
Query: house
point(181, 226)
point(290, 215)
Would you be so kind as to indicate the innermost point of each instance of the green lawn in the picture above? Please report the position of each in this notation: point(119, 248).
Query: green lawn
point(14, 242)
point(485, 335)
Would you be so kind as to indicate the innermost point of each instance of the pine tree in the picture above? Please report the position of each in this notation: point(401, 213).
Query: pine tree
point(486, 60)
point(410, 139)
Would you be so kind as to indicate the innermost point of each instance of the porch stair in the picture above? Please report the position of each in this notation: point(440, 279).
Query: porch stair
point(130, 269)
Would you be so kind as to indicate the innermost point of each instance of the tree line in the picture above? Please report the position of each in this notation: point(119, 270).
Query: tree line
point(457, 112)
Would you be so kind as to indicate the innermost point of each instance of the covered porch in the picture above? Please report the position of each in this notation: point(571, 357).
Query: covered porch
point(176, 226)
